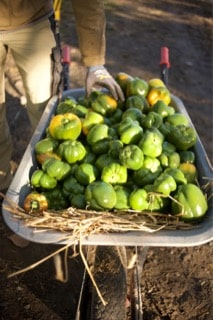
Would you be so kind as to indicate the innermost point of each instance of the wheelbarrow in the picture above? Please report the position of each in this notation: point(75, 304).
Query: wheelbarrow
point(110, 259)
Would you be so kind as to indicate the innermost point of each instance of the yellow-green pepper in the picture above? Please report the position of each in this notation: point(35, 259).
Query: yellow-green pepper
point(137, 86)
point(131, 156)
point(151, 142)
point(100, 196)
point(165, 184)
point(41, 179)
point(72, 151)
point(56, 168)
point(114, 173)
point(152, 119)
point(130, 131)
point(182, 137)
point(191, 203)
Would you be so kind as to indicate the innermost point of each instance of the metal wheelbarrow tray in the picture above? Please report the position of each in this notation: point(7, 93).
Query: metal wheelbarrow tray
point(19, 188)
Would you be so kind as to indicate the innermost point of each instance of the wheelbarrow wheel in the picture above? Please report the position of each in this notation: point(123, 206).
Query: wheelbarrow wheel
point(110, 277)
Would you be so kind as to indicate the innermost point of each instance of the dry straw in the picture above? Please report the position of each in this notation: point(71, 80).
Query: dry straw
point(76, 223)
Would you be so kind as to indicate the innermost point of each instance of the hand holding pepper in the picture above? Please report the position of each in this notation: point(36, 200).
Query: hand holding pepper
point(99, 76)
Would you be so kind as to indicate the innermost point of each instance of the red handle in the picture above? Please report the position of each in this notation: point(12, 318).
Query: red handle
point(66, 54)
point(165, 57)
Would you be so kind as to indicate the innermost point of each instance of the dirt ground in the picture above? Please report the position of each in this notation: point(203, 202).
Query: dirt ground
point(176, 282)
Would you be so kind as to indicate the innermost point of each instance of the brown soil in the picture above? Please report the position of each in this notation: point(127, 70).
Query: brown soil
point(176, 282)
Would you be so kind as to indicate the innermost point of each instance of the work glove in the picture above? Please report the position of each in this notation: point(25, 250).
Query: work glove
point(98, 76)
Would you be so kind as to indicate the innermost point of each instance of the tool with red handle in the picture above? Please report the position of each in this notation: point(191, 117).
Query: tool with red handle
point(66, 64)
point(164, 64)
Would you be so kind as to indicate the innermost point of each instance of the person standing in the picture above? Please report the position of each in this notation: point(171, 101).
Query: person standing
point(27, 29)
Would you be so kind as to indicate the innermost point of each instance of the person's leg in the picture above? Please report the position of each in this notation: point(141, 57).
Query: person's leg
point(5, 138)
point(32, 49)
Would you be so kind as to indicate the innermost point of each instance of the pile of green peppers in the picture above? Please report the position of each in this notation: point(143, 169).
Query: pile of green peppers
point(117, 155)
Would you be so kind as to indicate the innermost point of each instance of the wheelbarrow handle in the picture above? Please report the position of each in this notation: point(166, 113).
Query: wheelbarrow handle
point(66, 65)
point(164, 64)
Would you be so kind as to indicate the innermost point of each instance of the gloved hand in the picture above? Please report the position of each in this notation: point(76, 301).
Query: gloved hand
point(98, 76)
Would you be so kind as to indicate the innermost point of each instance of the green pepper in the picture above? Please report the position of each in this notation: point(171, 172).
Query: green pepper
point(104, 104)
point(171, 110)
point(103, 160)
point(72, 151)
point(168, 147)
point(138, 200)
point(131, 156)
point(96, 133)
point(171, 160)
point(115, 147)
point(152, 119)
point(135, 102)
point(137, 86)
point(152, 164)
point(86, 173)
point(101, 146)
point(182, 137)
point(87, 101)
point(72, 186)
point(80, 111)
point(161, 108)
point(114, 173)
point(66, 106)
point(78, 201)
point(157, 202)
point(100, 195)
point(113, 132)
point(46, 145)
point(165, 129)
point(133, 113)
point(56, 199)
point(90, 157)
point(177, 119)
point(130, 131)
point(122, 197)
point(151, 142)
point(41, 179)
point(187, 156)
point(116, 116)
point(46, 149)
point(74, 168)
point(191, 203)
point(90, 119)
point(145, 176)
point(84, 101)
point(165, 184)
point(56, 168)
point(177, 174)
point(169, 157)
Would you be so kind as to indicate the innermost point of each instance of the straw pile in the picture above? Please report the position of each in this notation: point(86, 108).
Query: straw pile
point(81, 223)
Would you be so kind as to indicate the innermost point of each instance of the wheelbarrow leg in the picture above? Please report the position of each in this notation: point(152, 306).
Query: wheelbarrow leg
point(78, 315)
point(135, 284)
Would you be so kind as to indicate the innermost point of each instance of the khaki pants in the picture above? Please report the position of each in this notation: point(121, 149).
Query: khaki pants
point(31, 48)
